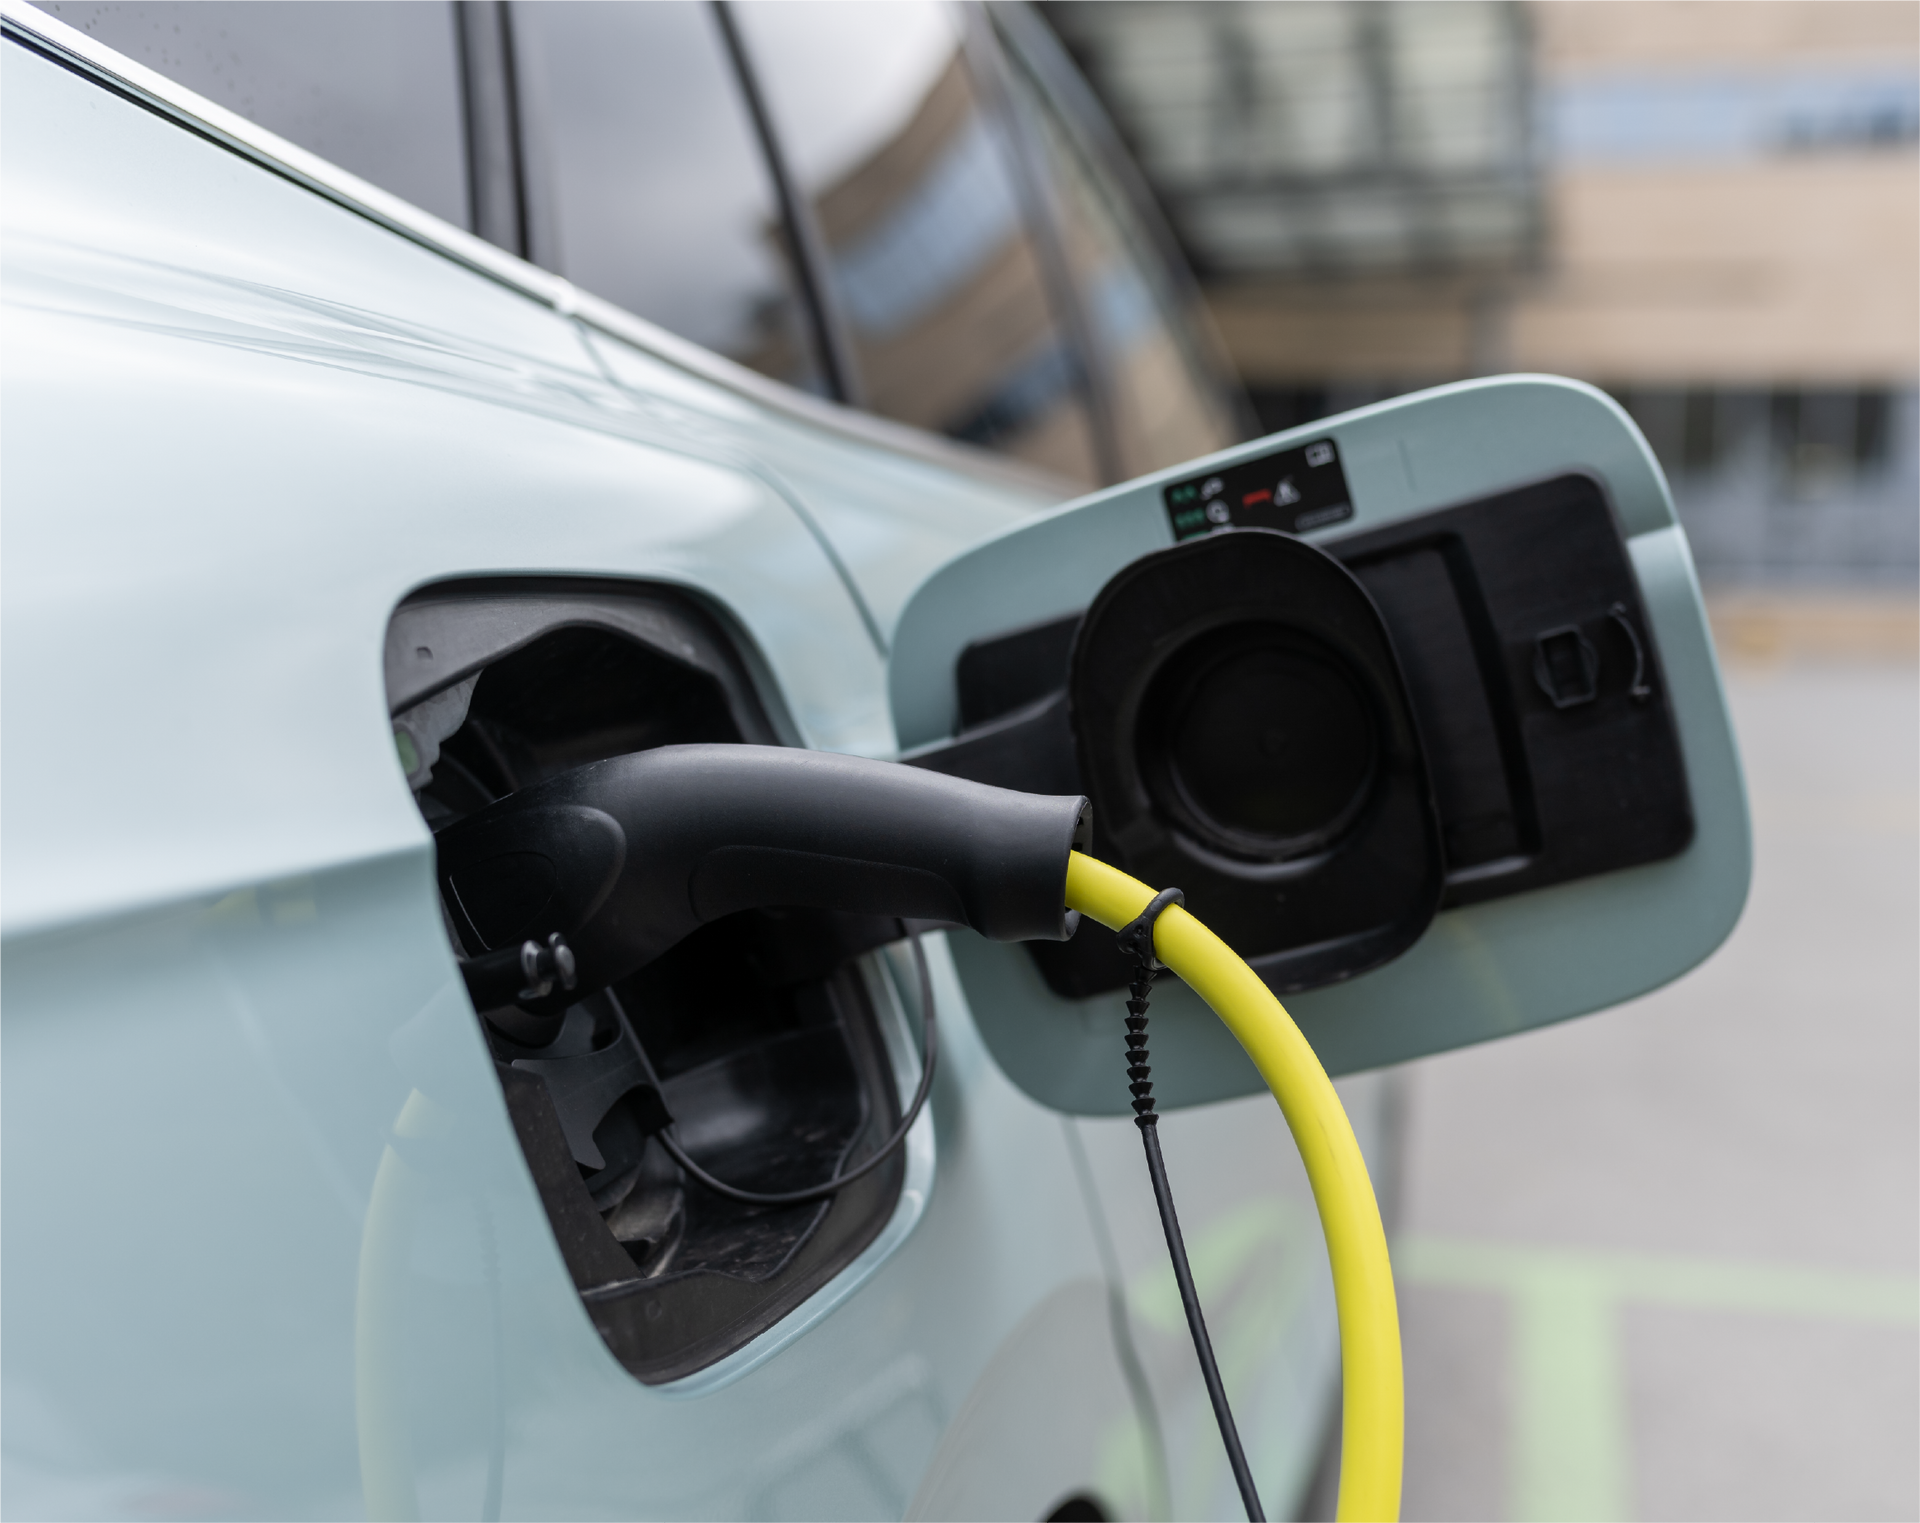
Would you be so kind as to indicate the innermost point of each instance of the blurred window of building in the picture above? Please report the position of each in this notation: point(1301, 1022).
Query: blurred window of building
point(649, 180)
point(1681, 424)
point(1320, 135)
point(937, 275)
point(1737, 200)
point(373, 87)
point(1705, 114)
point(1825, 440)
point(1164, 382)
point(1810, 442)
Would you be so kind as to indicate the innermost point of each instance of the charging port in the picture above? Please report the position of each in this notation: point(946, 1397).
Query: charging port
point(760, 1034)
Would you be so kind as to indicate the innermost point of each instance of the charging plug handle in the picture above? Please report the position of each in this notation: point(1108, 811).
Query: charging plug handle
point(623, 858)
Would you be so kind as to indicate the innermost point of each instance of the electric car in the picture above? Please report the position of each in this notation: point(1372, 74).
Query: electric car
point(410, 405)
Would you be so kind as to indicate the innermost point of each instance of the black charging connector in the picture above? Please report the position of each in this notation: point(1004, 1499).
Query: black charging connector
point(626, 857)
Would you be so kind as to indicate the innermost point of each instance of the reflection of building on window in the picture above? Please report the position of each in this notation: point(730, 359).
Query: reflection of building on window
point(1161, 416)
point(770, 340)
point(930, 242)
point(936, 274)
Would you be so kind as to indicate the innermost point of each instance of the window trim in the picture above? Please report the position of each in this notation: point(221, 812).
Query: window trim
point(490, 111)
point(833, 344)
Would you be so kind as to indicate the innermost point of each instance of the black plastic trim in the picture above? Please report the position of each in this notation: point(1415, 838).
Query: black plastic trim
point(812, 271)
point(446, 632)
point(1337, 901)
point(669, 1325)
point(490, 102)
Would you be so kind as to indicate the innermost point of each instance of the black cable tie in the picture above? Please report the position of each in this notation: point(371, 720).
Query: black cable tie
point(1136, 936)
point(1136, 939)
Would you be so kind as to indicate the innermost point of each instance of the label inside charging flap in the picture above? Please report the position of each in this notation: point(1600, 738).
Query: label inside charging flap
point(1296, 490)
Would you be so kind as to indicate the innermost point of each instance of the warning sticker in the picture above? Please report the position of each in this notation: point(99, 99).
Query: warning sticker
point(1296, 490)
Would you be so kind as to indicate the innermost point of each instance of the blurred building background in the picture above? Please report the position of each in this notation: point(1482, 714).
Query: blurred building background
point(1710, 209)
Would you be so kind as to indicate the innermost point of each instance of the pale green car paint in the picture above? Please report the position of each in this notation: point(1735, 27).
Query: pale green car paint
point(250, 406)
point(1484, 971)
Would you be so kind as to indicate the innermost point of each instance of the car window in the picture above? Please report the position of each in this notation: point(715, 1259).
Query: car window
point(373, 87)
point(657, 194)
point(1168, 400)
point(932, 266)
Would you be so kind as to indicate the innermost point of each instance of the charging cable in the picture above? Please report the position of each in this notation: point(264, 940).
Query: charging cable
point(1372, 1399)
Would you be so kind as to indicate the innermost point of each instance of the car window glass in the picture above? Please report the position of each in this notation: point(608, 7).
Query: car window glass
point(932, 266)
point(1168, 400)
point(657, 193)
point(373, 87)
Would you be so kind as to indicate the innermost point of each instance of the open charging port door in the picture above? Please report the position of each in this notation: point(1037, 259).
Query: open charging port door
point(1418, 704)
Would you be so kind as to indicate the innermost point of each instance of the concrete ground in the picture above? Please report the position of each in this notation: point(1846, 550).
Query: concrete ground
point(1662, 1262)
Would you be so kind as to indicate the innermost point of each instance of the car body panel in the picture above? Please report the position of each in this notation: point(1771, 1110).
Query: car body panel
point(891, 521)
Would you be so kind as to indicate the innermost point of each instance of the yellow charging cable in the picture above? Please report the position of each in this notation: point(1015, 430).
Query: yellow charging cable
point(1372, 1401)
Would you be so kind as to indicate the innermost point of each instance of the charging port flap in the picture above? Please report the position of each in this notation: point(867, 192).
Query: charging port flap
point(1570, 799)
